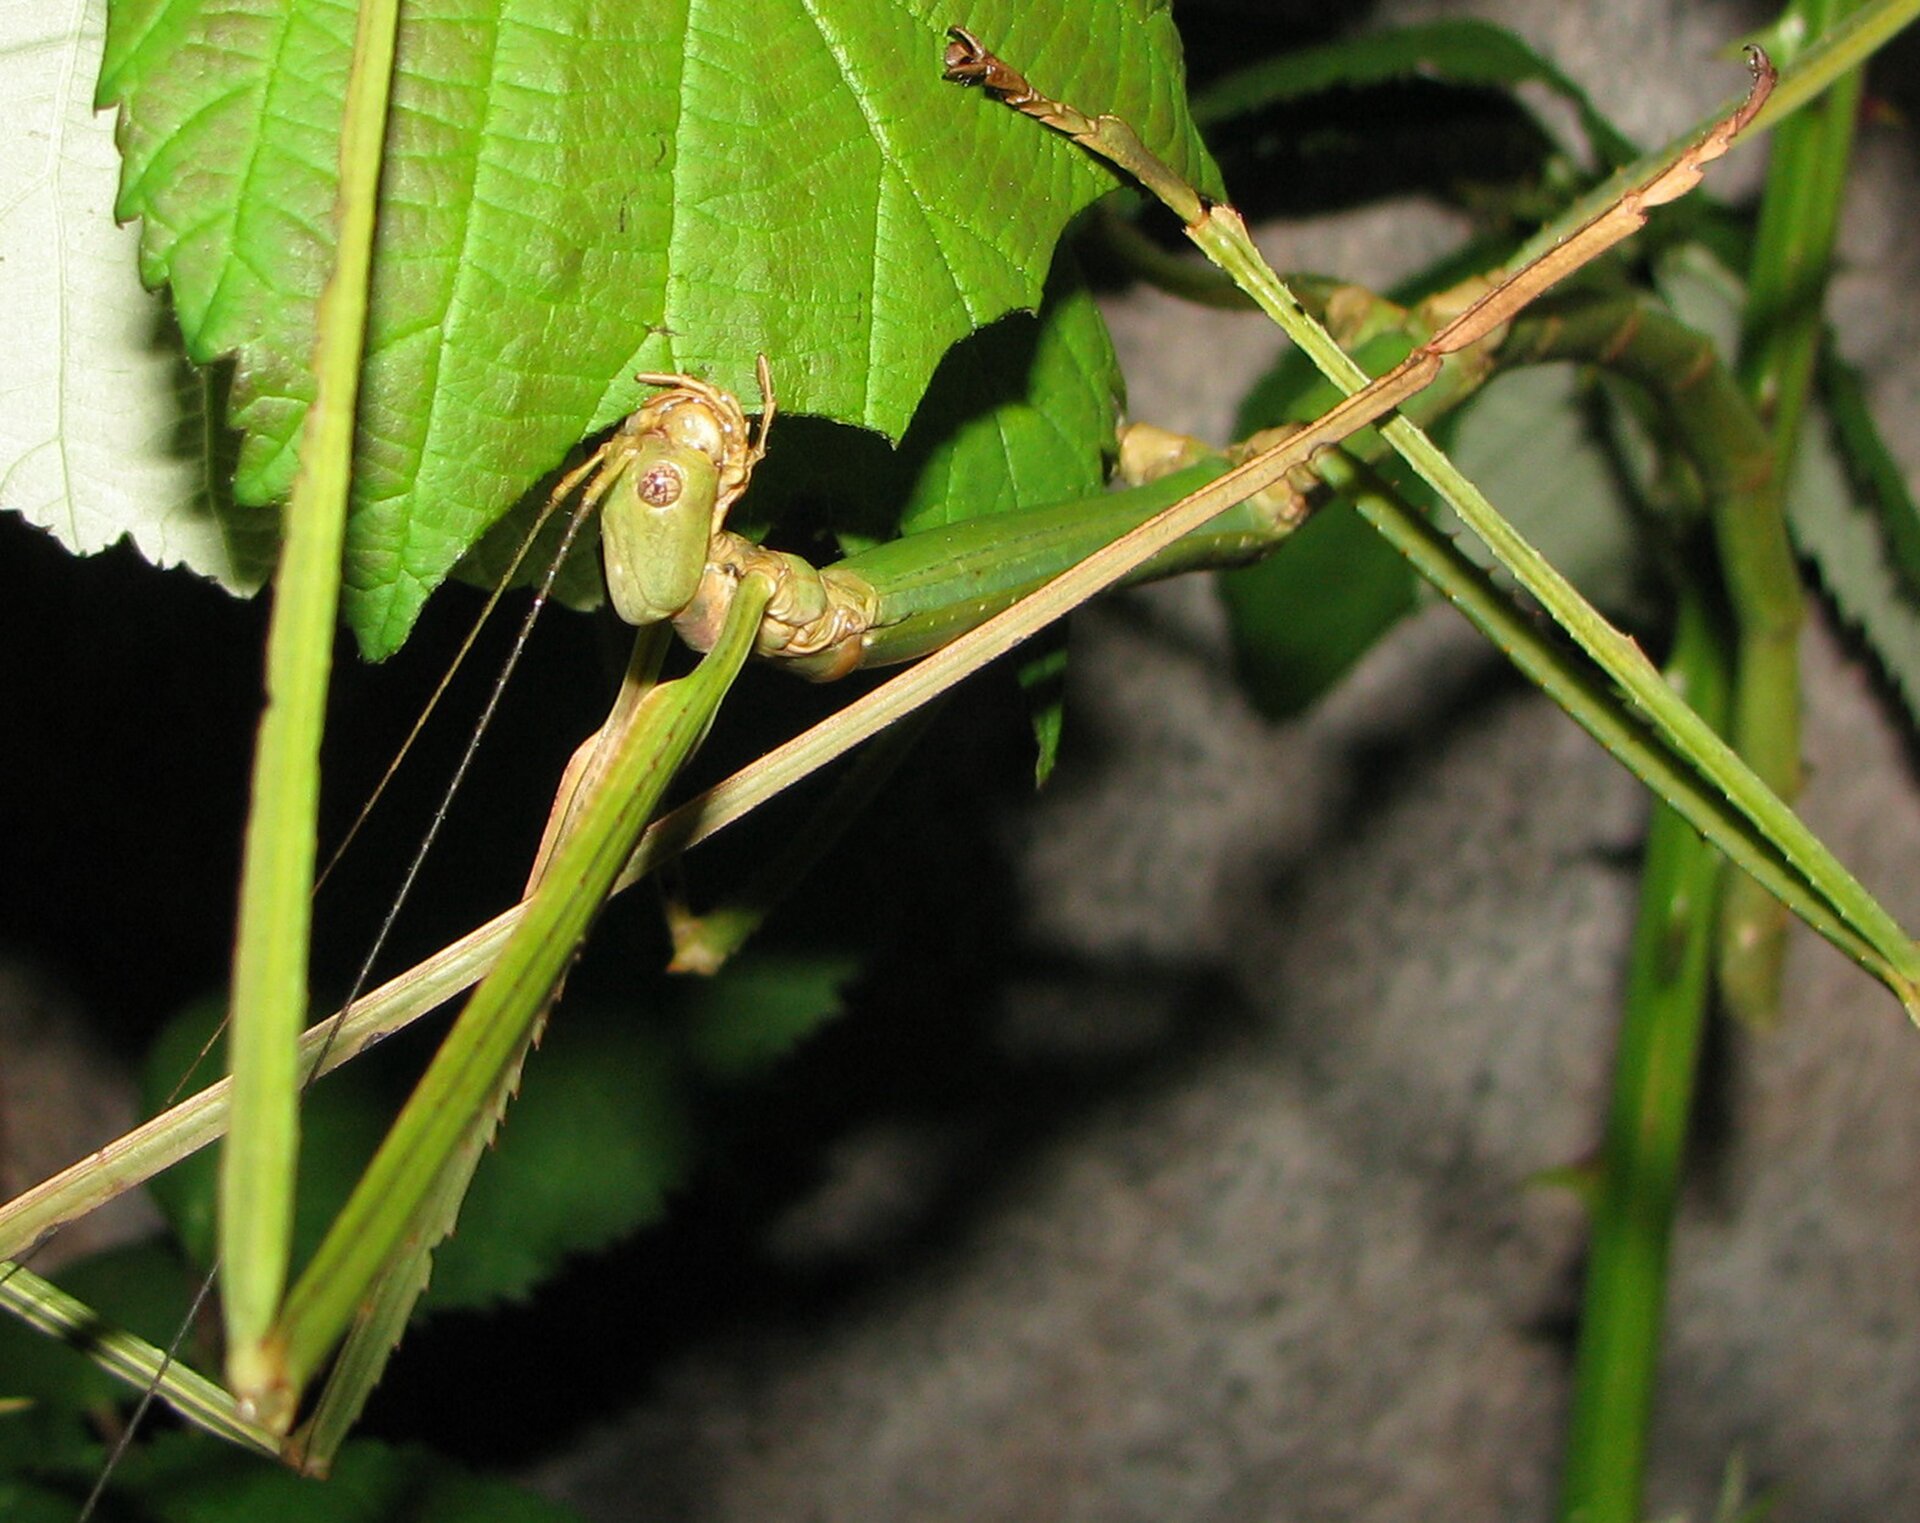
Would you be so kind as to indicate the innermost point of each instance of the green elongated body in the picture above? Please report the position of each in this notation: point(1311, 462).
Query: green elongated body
point(935, 584)
point(654, 526)
point(900, 600)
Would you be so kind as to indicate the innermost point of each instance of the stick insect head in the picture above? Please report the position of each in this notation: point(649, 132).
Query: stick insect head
point(667, 479)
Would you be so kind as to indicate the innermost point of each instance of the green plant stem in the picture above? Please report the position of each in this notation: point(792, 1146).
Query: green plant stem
point(1780, 345)
point(1653, 1090)
point(1793, 246)
point(1738, 465)
point(272, 938)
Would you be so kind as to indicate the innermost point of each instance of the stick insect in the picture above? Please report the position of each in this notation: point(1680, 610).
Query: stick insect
point(730, 596)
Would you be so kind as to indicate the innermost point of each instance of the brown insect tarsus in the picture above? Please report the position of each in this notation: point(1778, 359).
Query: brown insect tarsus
point(968, 62)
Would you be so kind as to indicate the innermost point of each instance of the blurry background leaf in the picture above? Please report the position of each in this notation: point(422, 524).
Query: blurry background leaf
point(1464, 51)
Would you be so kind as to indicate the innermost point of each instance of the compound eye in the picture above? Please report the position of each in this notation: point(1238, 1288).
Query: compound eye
point(661, 484)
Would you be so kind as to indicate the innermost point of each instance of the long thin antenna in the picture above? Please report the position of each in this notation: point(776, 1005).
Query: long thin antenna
point(432, 832)
point(525, 547)
point(408, 878)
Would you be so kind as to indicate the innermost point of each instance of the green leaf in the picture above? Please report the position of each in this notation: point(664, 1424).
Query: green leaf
point(590, 1150)
point(1043, 678)
point(342, 1118)
point(601, 1132)
point(104, 427)
point(1527, 440)
point(21, 1502)
point(739, 1024)
point(1020, 415)
point(1302, 617)
point(597, 1139)
point(587, 1153)
point(1466, 52)
point(1875, 474)
point(580, 189)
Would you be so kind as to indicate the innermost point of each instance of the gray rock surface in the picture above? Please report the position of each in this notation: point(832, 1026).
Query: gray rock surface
point(60, 1094)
